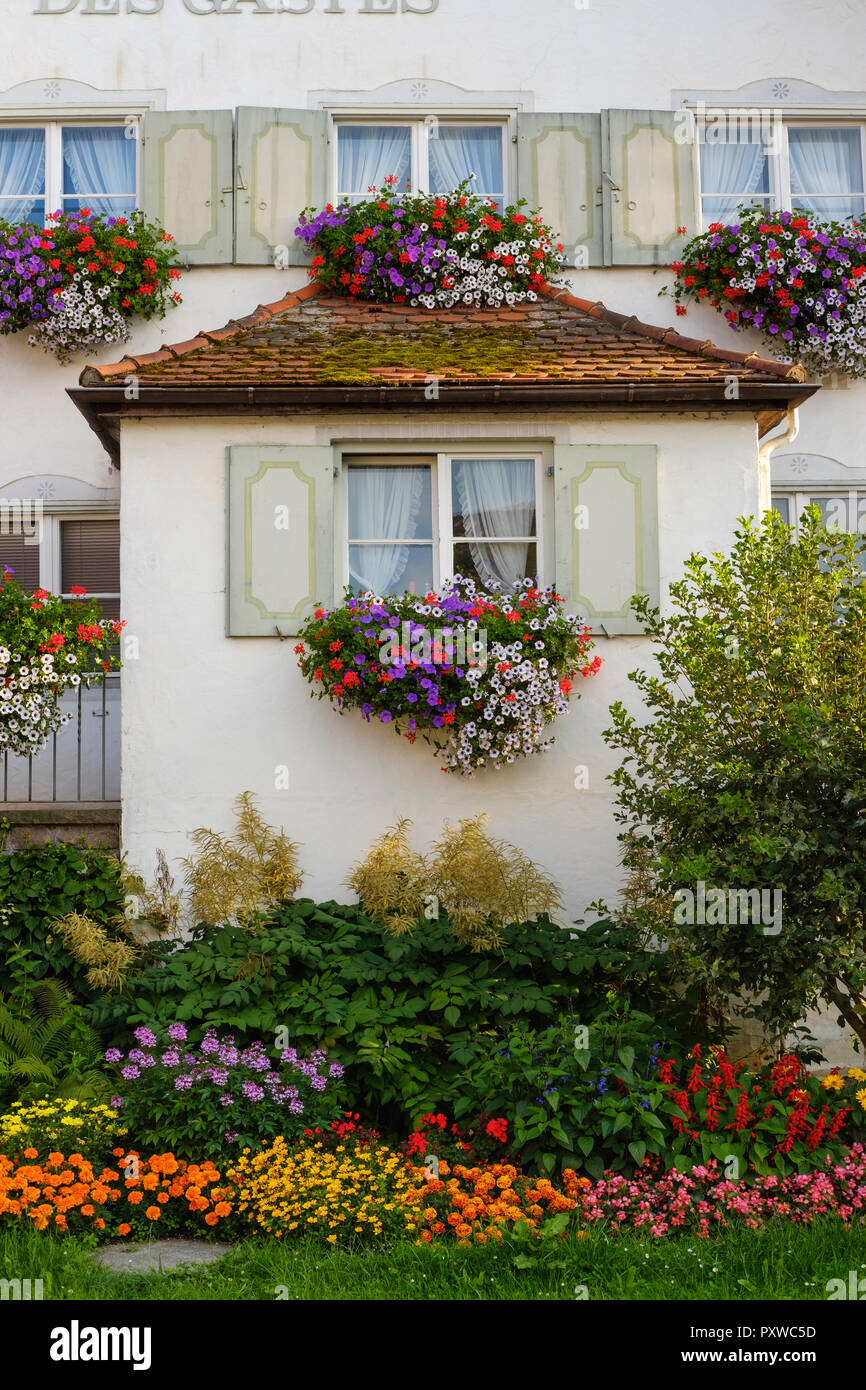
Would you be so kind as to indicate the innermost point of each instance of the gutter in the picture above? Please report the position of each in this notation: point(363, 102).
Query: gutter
point(769, 446)
point(104, 405)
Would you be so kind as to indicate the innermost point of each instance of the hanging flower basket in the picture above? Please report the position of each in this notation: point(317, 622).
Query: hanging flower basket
point(433, 250)
point(79, 280)
point(797, 280)
point(480, 677)
point(48, 646)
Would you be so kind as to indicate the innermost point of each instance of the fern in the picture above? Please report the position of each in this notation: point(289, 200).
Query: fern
point(53, 1049)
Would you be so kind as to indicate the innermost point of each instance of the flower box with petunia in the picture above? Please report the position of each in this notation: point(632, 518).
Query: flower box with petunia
point(797, 280)
point(478, 676)
point(432, 250)
point(48, 646)
point(77, 281)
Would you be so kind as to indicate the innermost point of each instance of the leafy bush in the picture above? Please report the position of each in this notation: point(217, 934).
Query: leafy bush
point(611, 1098)
point(39, 884)
point(405, 1015)
point(749, 773)
point(589, 1099)
point(223, 1096)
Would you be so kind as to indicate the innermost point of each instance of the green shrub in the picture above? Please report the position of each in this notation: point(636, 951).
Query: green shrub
point(406, 1015)
point(38, 884)
point(583, 1096)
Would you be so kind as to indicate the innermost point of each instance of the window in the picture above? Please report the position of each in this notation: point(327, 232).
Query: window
point(48, 166)
point(845, 508)
point(76, 551)
point(433, 156)
point(415, 520)
point(807, 167)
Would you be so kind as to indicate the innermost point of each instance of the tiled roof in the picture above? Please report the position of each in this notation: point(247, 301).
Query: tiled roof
point(313, 339)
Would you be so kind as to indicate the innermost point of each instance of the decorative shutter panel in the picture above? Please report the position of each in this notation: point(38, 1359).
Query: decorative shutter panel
point(559, 171)
point(650, 187)
point(277, 573)
point(600, 566)
point(187, 181)
point(282, 167)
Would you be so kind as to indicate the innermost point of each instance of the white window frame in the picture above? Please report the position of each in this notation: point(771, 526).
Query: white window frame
point(443, 541)
point(50, 576)
point(779, 194)
point(800, 500)
point(53, 127)
point(420, 127)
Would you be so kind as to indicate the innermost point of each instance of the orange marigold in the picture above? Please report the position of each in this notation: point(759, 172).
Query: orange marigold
point(153, 1213)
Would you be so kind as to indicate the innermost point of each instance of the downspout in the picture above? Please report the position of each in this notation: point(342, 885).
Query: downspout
point(768, 447)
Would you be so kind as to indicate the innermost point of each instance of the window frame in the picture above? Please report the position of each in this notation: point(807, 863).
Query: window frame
point(440, 460)
point(779, 164)
point(53, 127)
point(800, 498)
point(50, 576)
point(420, 126)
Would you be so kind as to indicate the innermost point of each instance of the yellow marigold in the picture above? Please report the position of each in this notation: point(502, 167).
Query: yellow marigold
point(861, 1096)
point(857, 1074)
point(463, 1230)
point(833, 1082)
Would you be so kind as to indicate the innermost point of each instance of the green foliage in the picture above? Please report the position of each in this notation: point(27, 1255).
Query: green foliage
point(39, 884)
point(577, 1096)
point(48, 1048)
point(406, 1015)
point(750, 773)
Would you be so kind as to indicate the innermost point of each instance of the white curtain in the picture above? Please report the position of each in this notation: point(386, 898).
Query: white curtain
point(98, 160)
point(829, 162)
point(456, 151)
point(496, 497)
point(369, 154)
point(22, 172)
point(383, 503)
point(735, 168)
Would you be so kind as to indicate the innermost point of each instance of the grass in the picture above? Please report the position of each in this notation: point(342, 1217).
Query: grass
point(782, 1262)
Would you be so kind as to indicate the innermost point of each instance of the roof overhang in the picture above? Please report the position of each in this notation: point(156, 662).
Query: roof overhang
point(105, 406)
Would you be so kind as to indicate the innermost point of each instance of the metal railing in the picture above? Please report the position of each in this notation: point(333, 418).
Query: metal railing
point(81, 762)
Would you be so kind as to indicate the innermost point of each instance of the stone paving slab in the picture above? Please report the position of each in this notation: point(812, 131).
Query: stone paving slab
point(159, 1255)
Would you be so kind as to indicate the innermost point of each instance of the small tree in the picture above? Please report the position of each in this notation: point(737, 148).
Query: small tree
point(751, 773)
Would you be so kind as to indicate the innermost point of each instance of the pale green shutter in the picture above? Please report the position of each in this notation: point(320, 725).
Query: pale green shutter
point(186, 181)
point(649, 186)
point(606, 531)
point(559, 171)
point(280, 537)
point(282, 167)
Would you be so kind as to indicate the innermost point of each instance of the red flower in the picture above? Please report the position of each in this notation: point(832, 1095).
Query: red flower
point(77, 589)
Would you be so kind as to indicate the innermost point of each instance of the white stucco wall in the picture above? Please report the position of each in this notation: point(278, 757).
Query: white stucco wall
point(205, 716)
point(560, 56)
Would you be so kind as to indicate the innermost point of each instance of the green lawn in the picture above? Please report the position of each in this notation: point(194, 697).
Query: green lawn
point(782, 1262)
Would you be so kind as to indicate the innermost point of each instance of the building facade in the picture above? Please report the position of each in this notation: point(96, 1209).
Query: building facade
point(225, 118)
